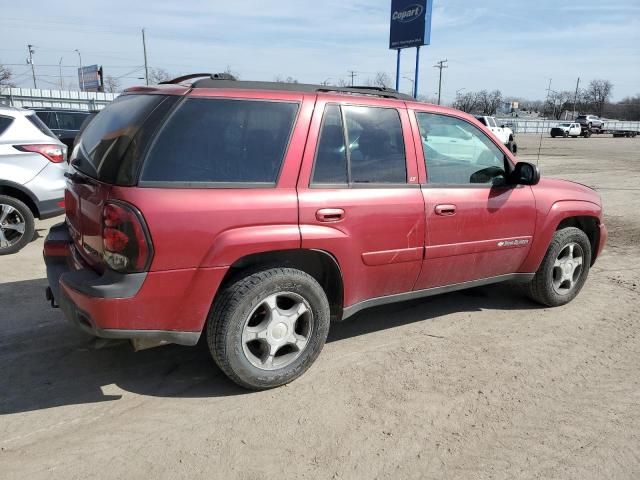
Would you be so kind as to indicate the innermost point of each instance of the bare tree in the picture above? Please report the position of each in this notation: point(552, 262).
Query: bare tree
point(343, 83)
point(467, 102)
point(157, 75)
point(281, 79)
point(382, 80)
point(598, 93)
point(111, 84)
point(229, 74)
point(489, 102)
point(5, 76)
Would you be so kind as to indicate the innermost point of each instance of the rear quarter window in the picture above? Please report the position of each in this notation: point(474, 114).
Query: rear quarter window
point(4, 123)
point(220, 142)
point(36, 122)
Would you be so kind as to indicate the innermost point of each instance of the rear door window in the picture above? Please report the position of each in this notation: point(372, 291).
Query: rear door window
point(220, 142)
point(370, 150)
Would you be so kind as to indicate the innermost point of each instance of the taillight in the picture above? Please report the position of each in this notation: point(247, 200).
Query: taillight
point(125, 239)
point(53, 153)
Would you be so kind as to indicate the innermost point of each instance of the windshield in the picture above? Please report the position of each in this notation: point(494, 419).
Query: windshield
point(565, 124)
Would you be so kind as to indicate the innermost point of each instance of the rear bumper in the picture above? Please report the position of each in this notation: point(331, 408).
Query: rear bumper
point(50, 208)
point(169, 306)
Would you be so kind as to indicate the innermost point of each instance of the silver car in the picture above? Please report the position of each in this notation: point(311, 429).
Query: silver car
point(32, 182)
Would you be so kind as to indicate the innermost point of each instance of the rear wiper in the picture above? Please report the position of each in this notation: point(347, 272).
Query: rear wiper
point(75, 177)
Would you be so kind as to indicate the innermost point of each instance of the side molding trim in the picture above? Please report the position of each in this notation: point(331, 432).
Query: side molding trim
point(402, 297)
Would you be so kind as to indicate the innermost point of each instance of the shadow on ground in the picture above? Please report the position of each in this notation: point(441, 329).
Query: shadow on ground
point(46, 362)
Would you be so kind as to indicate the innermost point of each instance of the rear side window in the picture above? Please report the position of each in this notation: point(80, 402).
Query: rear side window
point(48, 118)
point(103, 151)
point(370, 150)
point(40, 126)
point(4, 124)
point(221, 141)
point(70, 120)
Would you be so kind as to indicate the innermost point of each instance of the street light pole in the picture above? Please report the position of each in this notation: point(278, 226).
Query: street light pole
point(30, 61)
point(81, 71)
point(60, 71)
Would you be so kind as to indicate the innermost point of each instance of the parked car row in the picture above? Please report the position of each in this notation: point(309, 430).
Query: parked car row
point(253, 214)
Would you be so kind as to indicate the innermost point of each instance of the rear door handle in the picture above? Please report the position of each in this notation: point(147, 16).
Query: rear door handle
point(446, 210)
point(330, 214)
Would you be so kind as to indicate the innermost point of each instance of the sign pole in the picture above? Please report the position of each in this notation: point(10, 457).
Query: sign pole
point(415, 80)
point(398, 71)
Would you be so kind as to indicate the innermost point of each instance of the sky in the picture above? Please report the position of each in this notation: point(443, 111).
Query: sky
point(513, 46)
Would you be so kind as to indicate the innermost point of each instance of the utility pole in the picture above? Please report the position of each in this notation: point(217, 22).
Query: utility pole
point(60, 71)
point(353, 74)
point(575, 98)
point(30, 61)
point(146, 66)
point(441, 64)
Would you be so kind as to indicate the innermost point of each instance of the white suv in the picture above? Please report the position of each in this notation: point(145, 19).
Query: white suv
point(32, 182)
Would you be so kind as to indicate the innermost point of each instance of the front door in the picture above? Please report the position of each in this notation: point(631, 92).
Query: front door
point(477, 226)
point(359, 196)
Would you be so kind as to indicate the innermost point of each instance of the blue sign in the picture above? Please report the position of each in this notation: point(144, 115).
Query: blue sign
point(88, 78)
point(410, 23)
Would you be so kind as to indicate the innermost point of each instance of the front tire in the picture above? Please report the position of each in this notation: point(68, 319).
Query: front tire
point(16, 225)
point(564, 268)
point(267, 328)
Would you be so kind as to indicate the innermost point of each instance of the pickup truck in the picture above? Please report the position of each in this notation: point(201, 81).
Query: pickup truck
point(504, 133)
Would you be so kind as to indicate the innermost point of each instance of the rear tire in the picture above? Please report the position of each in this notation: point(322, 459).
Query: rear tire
point(563, 270)
point(256, 332)
point(16, 225)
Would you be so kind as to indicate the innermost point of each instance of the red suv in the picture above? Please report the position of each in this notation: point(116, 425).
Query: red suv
point(257, 213)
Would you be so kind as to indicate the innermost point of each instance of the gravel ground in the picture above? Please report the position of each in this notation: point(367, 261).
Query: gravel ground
point(476, 384)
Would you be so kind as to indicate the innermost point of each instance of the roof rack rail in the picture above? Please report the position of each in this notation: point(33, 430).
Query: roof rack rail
point(213, 76)
point(366, 90)
point(226, 81)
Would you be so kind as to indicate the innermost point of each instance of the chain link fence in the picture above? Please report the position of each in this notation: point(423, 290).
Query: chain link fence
point(521, 125)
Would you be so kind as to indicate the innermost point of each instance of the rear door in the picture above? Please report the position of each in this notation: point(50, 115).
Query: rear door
point(477, 227)
point(359, 195)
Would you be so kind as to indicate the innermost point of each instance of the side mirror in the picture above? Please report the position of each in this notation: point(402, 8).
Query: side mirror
point(525, 173)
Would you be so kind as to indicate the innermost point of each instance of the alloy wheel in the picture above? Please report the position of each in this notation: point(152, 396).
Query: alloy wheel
point(277, 331)
point(12, 226)
point(567, 268)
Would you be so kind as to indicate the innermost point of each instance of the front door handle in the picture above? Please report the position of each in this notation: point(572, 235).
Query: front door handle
point(330, 215)
point(446, 210)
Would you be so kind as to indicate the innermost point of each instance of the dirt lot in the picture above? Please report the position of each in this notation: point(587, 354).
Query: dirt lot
point(477, 384)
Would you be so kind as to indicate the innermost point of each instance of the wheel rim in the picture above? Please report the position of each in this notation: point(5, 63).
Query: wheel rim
point(277, 331)
point(12, 226)
point(567, 268)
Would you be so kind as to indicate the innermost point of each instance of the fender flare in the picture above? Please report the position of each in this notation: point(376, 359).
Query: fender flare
point(26, 192)
point(547, 224)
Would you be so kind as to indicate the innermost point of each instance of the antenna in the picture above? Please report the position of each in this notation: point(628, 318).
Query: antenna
point(542, 132)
